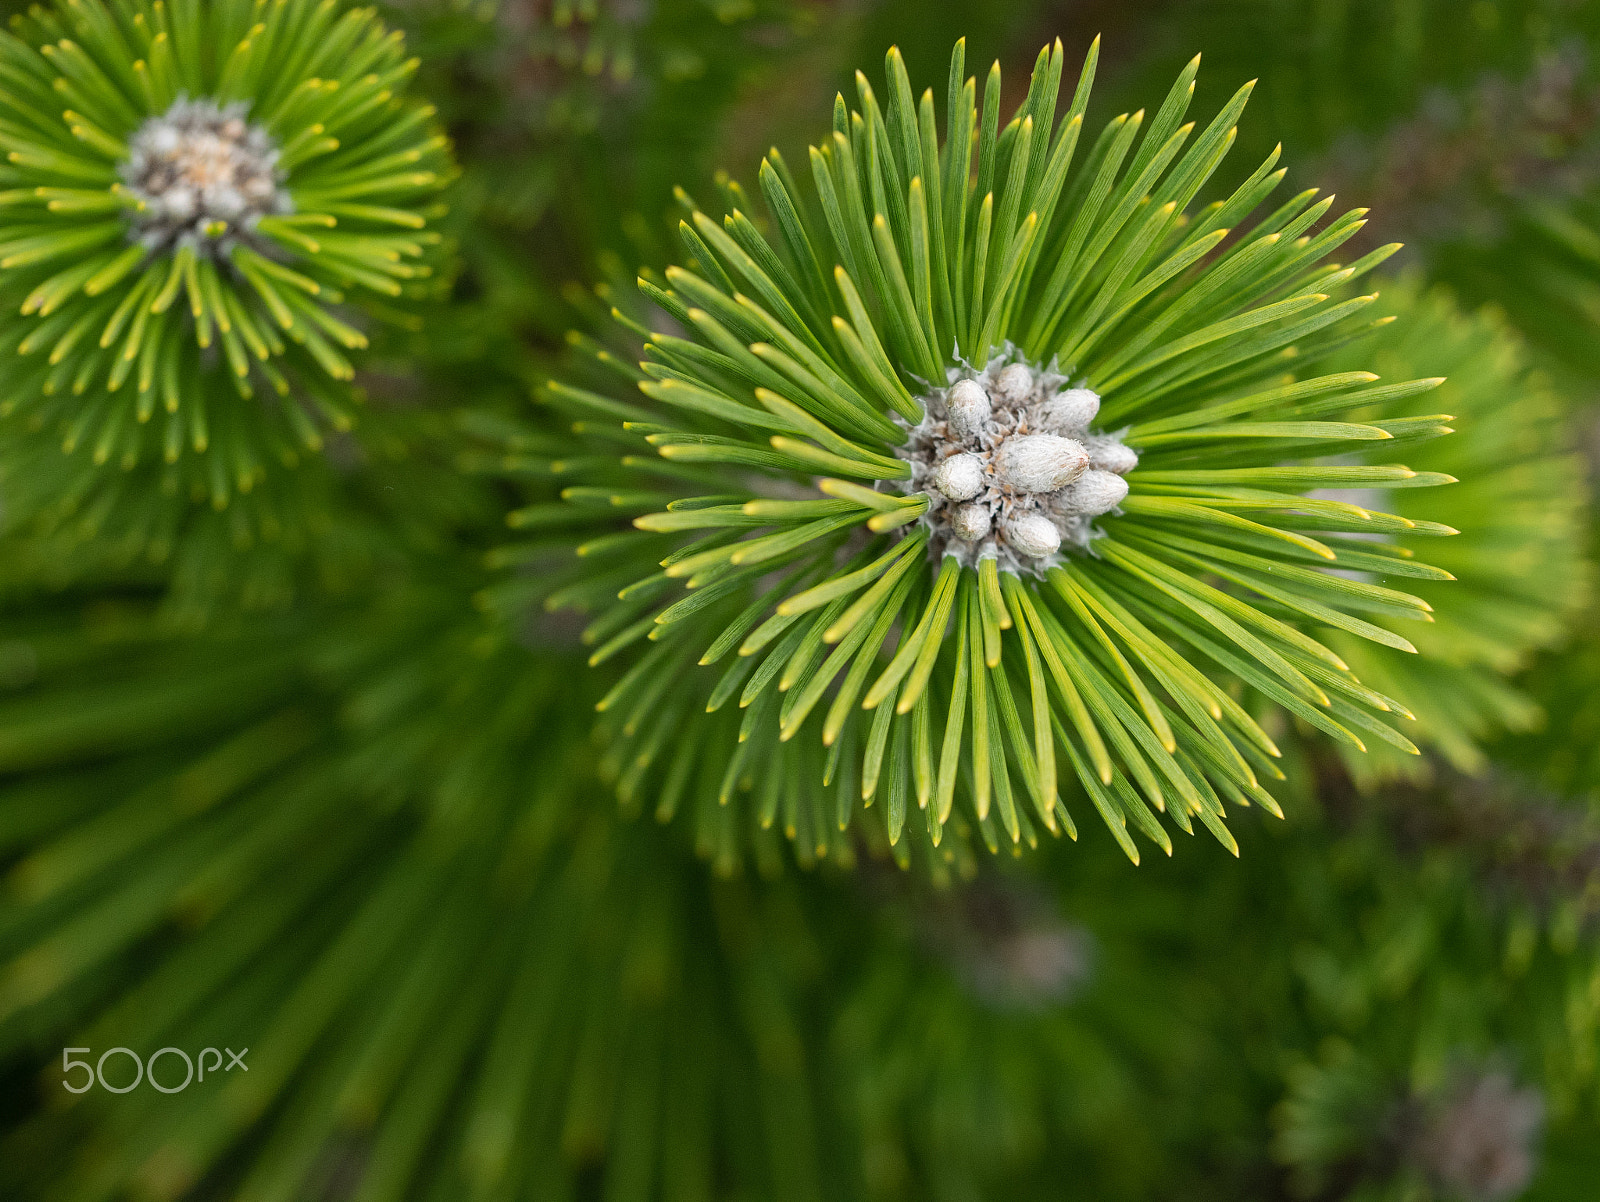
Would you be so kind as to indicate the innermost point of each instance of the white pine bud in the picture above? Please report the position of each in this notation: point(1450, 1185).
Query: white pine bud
point(969, 409)
point(1040, 462)
point(1015, 383)
point(960, 477)
point(1068, 412)
point(1033, 535)
point(180, 203)
point(970, 522)
point(1093, 493)
point(224, 201)
point(1112, 456)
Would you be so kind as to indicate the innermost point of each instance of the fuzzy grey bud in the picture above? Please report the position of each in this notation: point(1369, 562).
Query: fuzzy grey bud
point(1033, 535)
point(1040, 462)
point(960, 477)
point(1479, 1141)
point(1093, 493)
point(180, 203)
point(969, 409)
point(970, 522)
point(1109, 455)
point(1068, 412)
point(1015, 383)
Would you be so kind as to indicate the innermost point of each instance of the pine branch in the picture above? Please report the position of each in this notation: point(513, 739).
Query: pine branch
point(1048, 333)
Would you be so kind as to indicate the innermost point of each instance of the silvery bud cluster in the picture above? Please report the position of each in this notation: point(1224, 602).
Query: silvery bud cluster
point(1012, 466)
point(202, 172)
